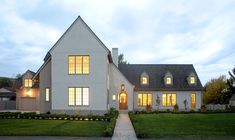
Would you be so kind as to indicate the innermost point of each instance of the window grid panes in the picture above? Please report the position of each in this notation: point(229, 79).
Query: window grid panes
point(144, 80)
point(193, 100)
point(144, 99)
point(28, 83)
point(47, 94)
point(192, 80)
point(168, 99)
point(78, 65)
point(168, 80)
point(78, 96)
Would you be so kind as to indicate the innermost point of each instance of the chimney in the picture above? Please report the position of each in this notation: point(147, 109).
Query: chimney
point(115, 56)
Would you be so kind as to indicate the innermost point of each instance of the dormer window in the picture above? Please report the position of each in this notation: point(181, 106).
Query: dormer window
point(168, 79)
point(27, 83)
point(144, 79)
point(192, 79)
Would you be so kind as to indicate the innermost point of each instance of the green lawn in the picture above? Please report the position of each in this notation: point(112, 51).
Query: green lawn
point(185, 125)
point(19, 127)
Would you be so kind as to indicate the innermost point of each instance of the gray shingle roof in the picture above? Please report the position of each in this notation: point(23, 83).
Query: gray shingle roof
point(156, 73)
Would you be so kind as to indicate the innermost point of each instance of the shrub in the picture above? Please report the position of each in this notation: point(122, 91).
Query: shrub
point(203, 108)
point(176, 108)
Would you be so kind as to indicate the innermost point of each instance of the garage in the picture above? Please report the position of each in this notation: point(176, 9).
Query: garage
point(28, 103)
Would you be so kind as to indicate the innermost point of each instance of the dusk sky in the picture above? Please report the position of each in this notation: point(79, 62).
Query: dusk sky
point(195, 32)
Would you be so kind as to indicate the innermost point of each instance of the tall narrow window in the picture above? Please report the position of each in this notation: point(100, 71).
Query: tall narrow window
point(168, 99)
point(78, 96)
point(47, 94)
point(28, 83)
point(193, 100)
point(79, 64)
point(144, 99)
point(168, 80)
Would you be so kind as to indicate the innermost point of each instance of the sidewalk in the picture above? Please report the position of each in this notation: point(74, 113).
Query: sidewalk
point(124, 129)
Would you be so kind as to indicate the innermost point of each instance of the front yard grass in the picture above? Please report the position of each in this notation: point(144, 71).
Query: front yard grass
point(22, 127)
point(184, 125)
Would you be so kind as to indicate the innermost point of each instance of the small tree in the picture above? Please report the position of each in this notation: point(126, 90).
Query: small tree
point(185, 104)
point(231, 82)
point(158, 101)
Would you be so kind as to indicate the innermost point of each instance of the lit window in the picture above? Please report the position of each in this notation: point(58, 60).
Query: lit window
point(192, 80)
point(27, 82)
point(47, 94)
point(114, 97)
point(144, 80)
point(168, 99)
point(79, 64)
point(78, 96)
point(144, 99)
point(168, 80)
point(193, 100)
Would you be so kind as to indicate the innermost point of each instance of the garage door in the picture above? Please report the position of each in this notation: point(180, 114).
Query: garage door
point(28, 104)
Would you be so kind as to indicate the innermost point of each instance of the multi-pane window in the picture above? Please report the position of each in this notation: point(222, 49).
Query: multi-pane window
point(144, 99)
point(193, 100)
point(28, 82)
point(78, 96)
point(168, 99)
point(79, 64)
point(192, 80)
point(168, 80)
point(144, 80)
point(47, 94)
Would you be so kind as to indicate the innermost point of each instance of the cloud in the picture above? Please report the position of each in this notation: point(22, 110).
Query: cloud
point(199, 33)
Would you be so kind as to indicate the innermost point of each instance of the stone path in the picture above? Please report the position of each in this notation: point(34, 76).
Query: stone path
point(124, 129)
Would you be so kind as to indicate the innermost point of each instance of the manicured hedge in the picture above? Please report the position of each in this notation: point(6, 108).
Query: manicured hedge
point(33, 115)
point(113, 114)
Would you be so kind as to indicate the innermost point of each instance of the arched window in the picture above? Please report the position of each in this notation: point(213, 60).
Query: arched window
point(168, 79)
point(144, 79)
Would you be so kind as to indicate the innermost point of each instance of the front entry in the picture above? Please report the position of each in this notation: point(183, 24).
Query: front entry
point(123, 100)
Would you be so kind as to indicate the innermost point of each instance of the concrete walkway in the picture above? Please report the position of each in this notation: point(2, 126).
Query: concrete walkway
point(124, 129)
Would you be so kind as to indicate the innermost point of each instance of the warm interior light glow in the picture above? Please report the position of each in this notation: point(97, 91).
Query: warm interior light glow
point(114, 97)
point(192, 80)
point(144, 80)
point(168, 80)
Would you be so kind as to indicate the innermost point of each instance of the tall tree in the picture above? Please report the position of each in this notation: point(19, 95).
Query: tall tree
point(121, 59)
point(231, 81)
point(216, 91)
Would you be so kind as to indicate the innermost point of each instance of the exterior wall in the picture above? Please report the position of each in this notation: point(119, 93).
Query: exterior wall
point(27, 93)
point(116, 80)
point(180, 97)
point(45, 82)
point(79, 40)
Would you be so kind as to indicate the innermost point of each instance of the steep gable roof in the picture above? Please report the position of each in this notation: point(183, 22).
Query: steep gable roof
point(89, 29)
point(156, 74)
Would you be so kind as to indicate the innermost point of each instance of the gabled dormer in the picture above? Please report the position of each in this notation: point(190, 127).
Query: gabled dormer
point(192, 79)
point(144, 79)
point(26, 79)
point(168, 79)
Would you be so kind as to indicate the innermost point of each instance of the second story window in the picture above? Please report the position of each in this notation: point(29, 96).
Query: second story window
point(79, 64)
point(28, 83)
point(192, 80)
point(144, 80)
point(168, 81)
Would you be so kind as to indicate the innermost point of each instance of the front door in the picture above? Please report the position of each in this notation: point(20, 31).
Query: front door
point(123, 100)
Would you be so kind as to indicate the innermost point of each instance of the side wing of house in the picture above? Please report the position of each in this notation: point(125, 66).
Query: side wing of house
point(28, 93)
